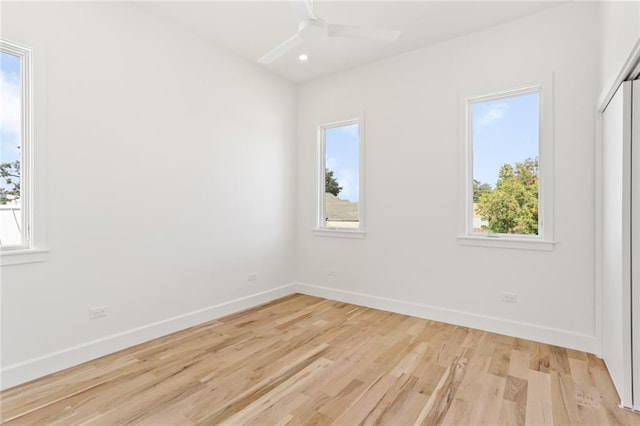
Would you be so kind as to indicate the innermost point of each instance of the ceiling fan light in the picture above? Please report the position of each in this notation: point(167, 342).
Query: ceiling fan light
point(312, 28)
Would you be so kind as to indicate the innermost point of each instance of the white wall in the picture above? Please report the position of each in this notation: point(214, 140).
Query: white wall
point(619, 26)
point(164, 175)
point(410, 260)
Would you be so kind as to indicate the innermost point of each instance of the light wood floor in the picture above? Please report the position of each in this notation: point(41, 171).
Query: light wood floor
point(305, 360)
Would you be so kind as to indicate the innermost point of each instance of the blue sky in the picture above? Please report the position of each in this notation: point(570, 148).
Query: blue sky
point(505, 130)
point(341, 156)
point(9, 107)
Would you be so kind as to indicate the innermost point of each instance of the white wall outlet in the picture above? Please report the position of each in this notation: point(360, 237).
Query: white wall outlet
point(252, 276)
point(509, 297)
point(94, 313)
point(332, 272)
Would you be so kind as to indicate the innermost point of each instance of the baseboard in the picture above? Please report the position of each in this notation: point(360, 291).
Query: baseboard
point(567, 339)
point(25, 371)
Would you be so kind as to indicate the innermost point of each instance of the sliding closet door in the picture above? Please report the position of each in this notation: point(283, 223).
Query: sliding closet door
point(635, 241)
point(616, 241)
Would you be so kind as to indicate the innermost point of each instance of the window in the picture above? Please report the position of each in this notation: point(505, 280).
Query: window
point(507, 165)
point(340, 178)
point(15, 143)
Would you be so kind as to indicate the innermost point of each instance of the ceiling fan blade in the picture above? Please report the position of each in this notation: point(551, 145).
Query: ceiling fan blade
point(304, 9)
point(281, 49)
point(357, 32)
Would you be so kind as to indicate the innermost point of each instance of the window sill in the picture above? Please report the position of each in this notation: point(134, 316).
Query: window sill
point(338, 233)
point(18, 257)
point(507, 243)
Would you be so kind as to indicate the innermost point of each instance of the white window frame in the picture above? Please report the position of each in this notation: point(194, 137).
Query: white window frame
point(321, 229)
point(25, 251)
point(544, 240)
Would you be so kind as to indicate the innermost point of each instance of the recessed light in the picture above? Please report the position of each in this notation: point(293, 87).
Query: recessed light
point(303, 57)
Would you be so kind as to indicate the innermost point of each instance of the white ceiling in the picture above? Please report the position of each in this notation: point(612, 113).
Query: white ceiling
point(251, 28)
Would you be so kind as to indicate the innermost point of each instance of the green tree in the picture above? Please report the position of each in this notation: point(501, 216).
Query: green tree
point(512, 207)
point(10, 188)
point(330, 183)
point(479, 188)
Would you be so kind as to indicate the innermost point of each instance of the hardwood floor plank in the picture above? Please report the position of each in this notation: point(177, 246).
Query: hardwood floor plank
point(511, 414)
point(565, 407)
point(458, 414)
point(559, 360)
point(514, 407)
point(279, 400)
point(500, 360)
point(367, 401)
point(516, 390)
point(409, 361)
point(304, 360)
point(391, 408)
point(334, 406)
point(263, 387)
point(604, 384)
point(429, 376)
point(581, 373)
point(61, 386)
point(518, 364)
point(539, 402)
point(590, 410)
point(438, 404)
point(488, 405)
point(539, 358)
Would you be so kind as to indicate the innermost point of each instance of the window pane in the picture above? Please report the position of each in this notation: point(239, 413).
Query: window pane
point(10, 143)
point(342, 176)
point(505, 138)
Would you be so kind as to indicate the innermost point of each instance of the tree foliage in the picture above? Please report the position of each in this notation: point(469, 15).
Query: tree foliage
point(512, 207)
point(10, 187)
point(479, 188)
point(330, 183)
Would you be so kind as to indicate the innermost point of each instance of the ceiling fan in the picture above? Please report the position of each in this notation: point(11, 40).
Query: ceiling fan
point(311, 27)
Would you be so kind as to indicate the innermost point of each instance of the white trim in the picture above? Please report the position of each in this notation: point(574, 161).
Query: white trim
point(19, 257)
point(537, 89)
point(553, 336)
point(534, 88)
point(627, 72)
point(545, 240)
point(24, 53)
point(320, 229)
point(597, 264)
point(507, 243)
point(634, 231)
point(34, 368)
point(337, 233)
point(22, 372)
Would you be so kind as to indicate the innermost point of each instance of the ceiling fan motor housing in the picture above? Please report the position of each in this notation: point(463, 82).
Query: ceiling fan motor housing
point(313, 29)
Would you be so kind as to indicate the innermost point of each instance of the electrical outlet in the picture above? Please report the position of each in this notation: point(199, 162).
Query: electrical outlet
point(94, 313)
point(332, 272)
point(509, 297)
point(252, 276)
